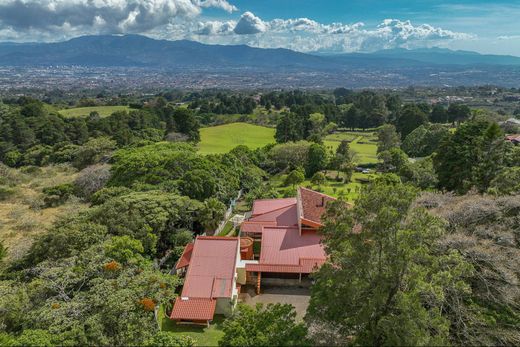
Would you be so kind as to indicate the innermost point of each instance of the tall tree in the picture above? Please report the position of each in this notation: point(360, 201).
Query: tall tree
point(411, 118)
point(274, 325)
point(385, 283)
point(387, 138)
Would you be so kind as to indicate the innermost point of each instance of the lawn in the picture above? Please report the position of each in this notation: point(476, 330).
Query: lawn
point(104, 111)
point(203, 336)
point(362, 143)
point(223, 138)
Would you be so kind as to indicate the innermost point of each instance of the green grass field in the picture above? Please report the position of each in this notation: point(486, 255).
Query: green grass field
point(203, 336)
point(104, 111)
point(362, 143)
point(223, 138)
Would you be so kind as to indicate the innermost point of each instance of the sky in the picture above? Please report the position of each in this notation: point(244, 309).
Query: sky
point(327, 26)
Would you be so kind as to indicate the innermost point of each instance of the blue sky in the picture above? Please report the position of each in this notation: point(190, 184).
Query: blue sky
point(306, 25)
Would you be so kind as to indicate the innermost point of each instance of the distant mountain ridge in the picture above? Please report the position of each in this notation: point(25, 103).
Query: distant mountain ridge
point(141, 51)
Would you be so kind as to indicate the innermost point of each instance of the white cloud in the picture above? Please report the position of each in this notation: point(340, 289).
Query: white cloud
point(53, 20)
point(250, 24)
point(24, 17)
point(307, 35)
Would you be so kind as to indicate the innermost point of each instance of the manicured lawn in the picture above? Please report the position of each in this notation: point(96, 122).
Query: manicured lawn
point(360, 142)
point(203, 336)
point(223, 138)
point(104, 111)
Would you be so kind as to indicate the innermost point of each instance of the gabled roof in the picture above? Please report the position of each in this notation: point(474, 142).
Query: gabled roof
point(284, 216)
point(185, 258)
point(195, 309)
point(212, 268)
point(210, 275)
point(312, 205)
point(267, 205)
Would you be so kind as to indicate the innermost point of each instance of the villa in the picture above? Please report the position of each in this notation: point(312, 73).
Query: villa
point(279, 245)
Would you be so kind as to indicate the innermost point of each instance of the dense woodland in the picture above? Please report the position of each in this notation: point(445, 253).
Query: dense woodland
point(427, 256)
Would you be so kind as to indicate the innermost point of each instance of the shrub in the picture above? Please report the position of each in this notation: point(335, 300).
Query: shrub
point(57, 195)
point(91, 180)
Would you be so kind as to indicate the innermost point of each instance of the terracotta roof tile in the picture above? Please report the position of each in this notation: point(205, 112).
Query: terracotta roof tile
point(313, 204)
point(184, 260)
point(194, 309)
point(268, 205)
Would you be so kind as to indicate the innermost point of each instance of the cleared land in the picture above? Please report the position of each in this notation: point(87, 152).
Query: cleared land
point(104, 111)
point(223, 138)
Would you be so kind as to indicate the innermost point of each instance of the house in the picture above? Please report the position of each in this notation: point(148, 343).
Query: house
point(285, 231)
point(210, 286)
point(282, 233)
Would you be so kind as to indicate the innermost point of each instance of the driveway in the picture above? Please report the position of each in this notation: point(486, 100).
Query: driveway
point(296, 296)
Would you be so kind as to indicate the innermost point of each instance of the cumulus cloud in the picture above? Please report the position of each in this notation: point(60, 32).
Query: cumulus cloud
point(54, 20)
point(250, 24)
point(307, 35)
point(99, 16)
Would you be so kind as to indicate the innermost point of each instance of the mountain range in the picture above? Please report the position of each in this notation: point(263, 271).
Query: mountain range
point(141, 51)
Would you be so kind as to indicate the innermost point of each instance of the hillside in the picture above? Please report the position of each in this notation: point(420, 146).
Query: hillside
point(141, 51)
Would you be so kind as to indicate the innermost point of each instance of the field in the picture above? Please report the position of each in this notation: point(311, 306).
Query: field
point(104, 111)
point(362, 143)
point(223, 138)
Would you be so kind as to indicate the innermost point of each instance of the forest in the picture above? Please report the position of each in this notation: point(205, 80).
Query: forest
point(428, 255)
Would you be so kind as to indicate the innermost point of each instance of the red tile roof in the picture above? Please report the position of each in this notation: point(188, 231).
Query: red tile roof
point(184, 260)
point(212, 267)
point(285, 250)
point(254, 227)
point(312, 204)
point(268, 205)
point(284, 216)
point(194, 309)
point(210, 275)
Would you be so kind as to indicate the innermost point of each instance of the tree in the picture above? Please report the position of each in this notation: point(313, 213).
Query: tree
point(317, 159)
point(289, 128)
point(410, 119)
point(420, 173)
point(424, 140)
point(274, 325)
point(289, 155)
point(168, 339)
point(387, 138)
point(458, 113)
point(295, 177)
point(318, 179)
point(439, 114)
point(393, 160)
point(212, 214)
point(385, 283)
point(472, 156)
point(506, 182)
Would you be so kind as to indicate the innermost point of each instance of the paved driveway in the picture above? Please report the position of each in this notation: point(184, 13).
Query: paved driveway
point(296, 296)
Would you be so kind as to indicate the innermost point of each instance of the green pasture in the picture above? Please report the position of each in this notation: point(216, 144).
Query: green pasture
point(104, 111)
point(362, 143)
point(223, 138)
